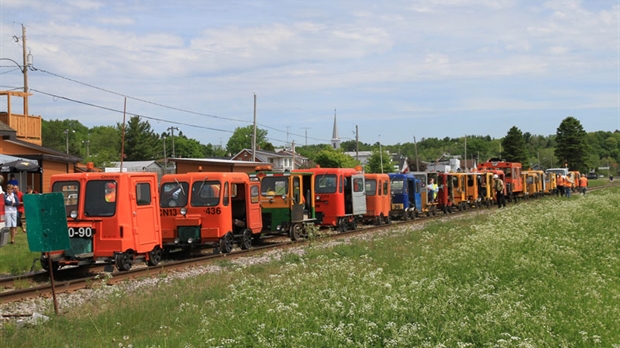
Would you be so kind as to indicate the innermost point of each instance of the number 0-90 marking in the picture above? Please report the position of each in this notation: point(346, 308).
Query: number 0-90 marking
point(80, 232)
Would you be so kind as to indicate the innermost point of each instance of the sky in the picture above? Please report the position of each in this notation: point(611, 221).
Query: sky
point(394, 69)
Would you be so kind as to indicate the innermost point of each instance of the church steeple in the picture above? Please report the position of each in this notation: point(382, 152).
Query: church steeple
point(335, 138)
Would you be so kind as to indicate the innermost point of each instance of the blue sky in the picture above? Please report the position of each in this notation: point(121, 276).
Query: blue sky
point(396, 69)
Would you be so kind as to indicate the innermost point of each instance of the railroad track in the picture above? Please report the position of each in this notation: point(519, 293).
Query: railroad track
point(37, 284)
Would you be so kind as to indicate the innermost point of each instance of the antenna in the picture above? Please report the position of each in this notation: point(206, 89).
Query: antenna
point(306, 128)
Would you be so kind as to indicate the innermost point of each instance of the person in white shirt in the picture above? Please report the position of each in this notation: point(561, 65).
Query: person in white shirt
point(10, 211)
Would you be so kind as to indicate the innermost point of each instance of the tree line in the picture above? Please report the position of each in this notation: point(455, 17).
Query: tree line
point(571, 146)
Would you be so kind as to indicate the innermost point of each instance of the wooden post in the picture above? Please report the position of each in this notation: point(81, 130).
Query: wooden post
point(51, 270)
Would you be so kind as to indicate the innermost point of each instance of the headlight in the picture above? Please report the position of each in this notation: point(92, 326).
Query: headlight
point(73, 214)
point(190, 240)
point(318, 198)
point(279, 228)
point(176, 241)
point(183, 211)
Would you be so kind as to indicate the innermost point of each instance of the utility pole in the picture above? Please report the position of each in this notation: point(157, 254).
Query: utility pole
point(380, 154)
point(67, 131)
point(87, 142)
point(306, 128)
point(165, 158)
point(466, 168)
point(25, 72)
point(357, 154)
point(293, 148)
point(415, 146)
point(254, 136)
point(171, 129)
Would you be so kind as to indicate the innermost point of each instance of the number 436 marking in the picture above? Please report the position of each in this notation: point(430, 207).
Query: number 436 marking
point(213, 211)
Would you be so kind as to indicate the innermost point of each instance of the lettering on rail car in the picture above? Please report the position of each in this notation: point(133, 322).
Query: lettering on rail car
point(168, 212)
point(80, 232)
point(213, 211)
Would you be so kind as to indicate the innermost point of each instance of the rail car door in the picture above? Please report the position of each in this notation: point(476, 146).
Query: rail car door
point(358, 194)
point(146, 221)
point(297, 199)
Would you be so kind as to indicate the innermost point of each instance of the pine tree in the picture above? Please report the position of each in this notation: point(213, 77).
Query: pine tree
point(572, 146)
point(514, 148)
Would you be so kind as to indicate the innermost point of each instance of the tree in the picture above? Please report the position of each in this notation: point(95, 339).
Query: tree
point(54, 136)
point(376, 161)
point(330, 158)
point(242, 139)
point(105, 145)
point(187, 148)
point(141, 143)
point(572, 148)
point(514, 149)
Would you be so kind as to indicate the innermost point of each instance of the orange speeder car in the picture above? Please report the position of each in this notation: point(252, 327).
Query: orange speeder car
point(112, 218)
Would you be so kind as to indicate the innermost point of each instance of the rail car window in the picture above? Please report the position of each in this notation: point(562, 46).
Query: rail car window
point(100, 198)
point(143, 193)
point(422, 178)
point(358, 184)
point(385, 188)
point(371, 187)
point(205, 194)
point(508, 172)
point(274, 186)
point(226, 193)
point(71, 193)
point(398, 186)
point(254, 194)
point(325, 183)
point(173, 194)
point(344, 182)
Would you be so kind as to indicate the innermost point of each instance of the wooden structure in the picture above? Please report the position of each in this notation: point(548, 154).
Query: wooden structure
point(28, 127)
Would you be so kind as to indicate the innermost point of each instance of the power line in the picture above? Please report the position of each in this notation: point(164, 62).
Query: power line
point(170, 107)
point(132, 114)
point(140, 100)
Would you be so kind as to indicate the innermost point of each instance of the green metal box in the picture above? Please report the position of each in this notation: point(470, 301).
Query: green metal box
point(46, 219)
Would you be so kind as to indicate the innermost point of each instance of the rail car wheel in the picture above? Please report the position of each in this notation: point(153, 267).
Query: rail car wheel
point(256, 240)
point(246, 239)
point(295, 232)
point(353, 225)
point(342, 225)
point(123, 261)
point(155, 256)
point(226, 243)
point(382, 219)
point(45, 264)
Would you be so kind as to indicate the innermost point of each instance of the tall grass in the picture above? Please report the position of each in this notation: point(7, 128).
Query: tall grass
point(533, 275)
point(16, 258)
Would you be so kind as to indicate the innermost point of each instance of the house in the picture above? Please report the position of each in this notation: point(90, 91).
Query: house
point(20, 136)
point(362, 156)
point(279, 161)
point(186, 165)
point(137, 166)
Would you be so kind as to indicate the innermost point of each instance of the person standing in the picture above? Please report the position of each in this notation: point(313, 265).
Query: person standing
point(499, 191)
point(568, 185)
point(432, 190)
point(11, 202)
point(13, 181)
point(560, 183)
point(20, 207)
point(583, 184)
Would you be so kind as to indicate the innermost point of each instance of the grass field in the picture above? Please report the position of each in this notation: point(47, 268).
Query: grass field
point(542, 274)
